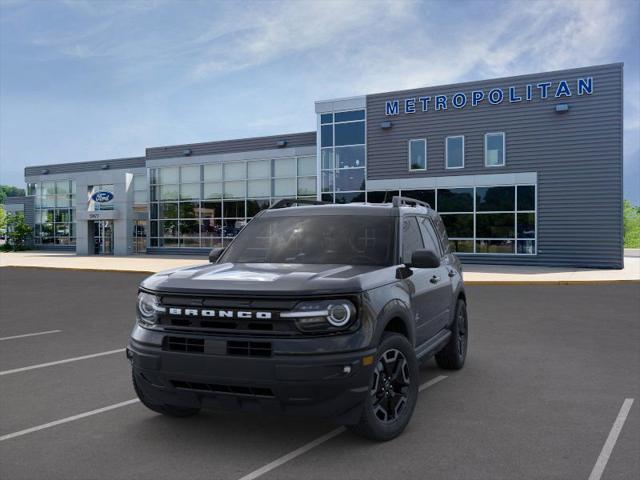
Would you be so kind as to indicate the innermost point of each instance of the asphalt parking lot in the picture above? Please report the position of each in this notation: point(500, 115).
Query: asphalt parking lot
point(548, 372)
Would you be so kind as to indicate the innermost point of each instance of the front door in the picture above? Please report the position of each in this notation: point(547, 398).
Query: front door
point(103, 237)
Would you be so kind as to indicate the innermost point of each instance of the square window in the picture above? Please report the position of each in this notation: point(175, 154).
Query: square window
point(326, 135)
point(234, 189)
point(495, 246)
point(234, 209)
point(349, 133)
point(460, 225)
point(189, 191)
point(284, 167)
point(526, 225)
point(454, 152)
point(306, 166)
point(259, 169)
point(326, 118)
point(495, 225)
point(235, 171)
point(259, 188)
point(190, 174)
point(211, 210)
point(350, 157)
point(213, 172)
point(495, 199)
point(284, 187)
point(526, 197)
point(350, 179)
point(306, 185)
point(169, 192)
point(526, 247)
point(455, 200)
point(168, 175)
point(213, 190)
point(189, 209)
point(349, 116)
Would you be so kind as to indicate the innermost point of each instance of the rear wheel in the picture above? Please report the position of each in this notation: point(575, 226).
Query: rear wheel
point(393, 391)
point(454, 354)
point(164, 409)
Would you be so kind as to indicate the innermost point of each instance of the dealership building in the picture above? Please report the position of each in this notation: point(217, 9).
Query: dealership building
point(524, 170)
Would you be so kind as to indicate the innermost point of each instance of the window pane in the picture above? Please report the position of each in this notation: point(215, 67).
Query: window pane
point(349, 116)
point(168, 228)
point(189, 228)
point(211, 210)
point(495, 225)
point(306, 166)
point(350, 157)
point(462, 246)
point(189, 209)
point(49, 188)
point(210, 228)
point(234, 189)
point(139, 182)
point(62, 187)
point(347, 197)
point(455, 200)
point(495, 246)
point(327, 181)
point(526, 247)
point(495, 199)
point(211, 242)
point(350, 179)
point(494, 151)
point(154, 210)
point(382, 197)
point(213, 172)
point(285, 187)
point(306, 185)
point(190, 174)
point(328, 197)
point(326, 134)
point(411, 238)
point(455, 152)
point(417, 156)
point(428, 196)
point(459, 226)
point(168, 175)
point(140, 196)
point(259, 169)
point(326, 118)
point(527, 197)
point(327, 158)
point(189, 191)
point(526, 225)
point(255, 206)
point(349, 133)
point(259, 188)
point(234, 171)
point(234, 208)
point(429, 236)
point(169, 192)
point(284, 167)
point(213, 190)
point(167, 210)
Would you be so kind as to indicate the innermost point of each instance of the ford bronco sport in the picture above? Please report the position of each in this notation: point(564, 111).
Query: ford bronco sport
point(313, 309)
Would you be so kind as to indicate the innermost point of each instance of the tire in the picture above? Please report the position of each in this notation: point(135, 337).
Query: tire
point(393, 391)
point(164, 409)
point(454, 353)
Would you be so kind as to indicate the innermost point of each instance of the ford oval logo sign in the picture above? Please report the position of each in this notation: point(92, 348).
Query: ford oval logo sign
point(102, 197)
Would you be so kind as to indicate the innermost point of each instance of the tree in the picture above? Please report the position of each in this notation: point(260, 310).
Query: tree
point(631, 225)
point(9, 191)
point(17, 231)
point(3, 219)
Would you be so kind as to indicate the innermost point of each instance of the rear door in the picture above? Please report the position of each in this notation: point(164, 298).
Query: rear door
point(439, 296)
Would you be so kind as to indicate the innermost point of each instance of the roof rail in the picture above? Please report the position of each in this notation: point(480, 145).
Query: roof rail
point(290, 202)
point(399, 201)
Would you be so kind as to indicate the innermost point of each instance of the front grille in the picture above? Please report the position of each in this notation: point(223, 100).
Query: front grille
point(181, 344)
point(249, 349)
point(230, 389)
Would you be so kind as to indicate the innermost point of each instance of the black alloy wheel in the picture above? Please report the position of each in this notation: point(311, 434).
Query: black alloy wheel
point(390, 387)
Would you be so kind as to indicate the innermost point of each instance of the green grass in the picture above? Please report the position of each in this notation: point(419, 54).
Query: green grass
point(631, 225)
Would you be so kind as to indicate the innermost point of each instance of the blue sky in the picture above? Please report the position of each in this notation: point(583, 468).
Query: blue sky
point(87, 80)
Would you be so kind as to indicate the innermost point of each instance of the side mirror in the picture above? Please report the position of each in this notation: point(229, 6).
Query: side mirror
point(214, 254)
point(424, 259)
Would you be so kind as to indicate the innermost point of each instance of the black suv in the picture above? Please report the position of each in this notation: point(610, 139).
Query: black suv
point(318, 309)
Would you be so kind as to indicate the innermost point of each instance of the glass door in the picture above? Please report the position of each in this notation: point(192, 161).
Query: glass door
point(103, 237)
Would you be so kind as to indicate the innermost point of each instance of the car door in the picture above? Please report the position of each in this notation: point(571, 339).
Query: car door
point(441, 290)
point(418, 284)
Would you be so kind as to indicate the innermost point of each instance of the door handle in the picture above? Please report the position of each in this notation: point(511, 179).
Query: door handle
point(434, 279)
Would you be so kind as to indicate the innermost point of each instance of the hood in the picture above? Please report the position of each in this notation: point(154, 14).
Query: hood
point(270, 279)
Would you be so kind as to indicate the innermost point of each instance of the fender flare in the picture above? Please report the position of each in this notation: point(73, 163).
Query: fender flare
point(395, 309)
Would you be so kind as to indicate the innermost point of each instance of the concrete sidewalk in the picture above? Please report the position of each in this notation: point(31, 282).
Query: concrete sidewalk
point(473, 274)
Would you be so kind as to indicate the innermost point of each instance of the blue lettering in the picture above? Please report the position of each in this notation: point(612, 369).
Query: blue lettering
point(544, 87)
point(410, 105)
point(529, 94)
point(425, 103)
point(512, 95)
point(392, 107)
point(476, 97)
point(441, 102)
point(563, 89)
point(496, 96)
point(585, 85)
point(459, 100)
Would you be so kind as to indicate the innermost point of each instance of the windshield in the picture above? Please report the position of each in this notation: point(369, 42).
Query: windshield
point(347, 240)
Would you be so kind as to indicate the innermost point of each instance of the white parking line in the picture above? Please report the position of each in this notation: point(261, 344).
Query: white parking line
point(607, 449)
point(318, 441)
point(68, 419)
point(30, 335)
point(59, 362)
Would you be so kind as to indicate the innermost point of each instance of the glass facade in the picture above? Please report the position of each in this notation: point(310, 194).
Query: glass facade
point(54, 212)
point(207, 205)
point(343, 156)
point(482, 220)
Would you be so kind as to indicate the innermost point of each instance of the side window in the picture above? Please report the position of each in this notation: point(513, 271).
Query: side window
point(430, 237)
point(442, 233)
point(411, 238)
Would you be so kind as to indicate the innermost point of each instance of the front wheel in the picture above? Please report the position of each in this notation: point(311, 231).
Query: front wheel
point(393, 391)
point(454, 353)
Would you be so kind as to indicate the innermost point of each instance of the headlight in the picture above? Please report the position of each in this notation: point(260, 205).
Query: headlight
point(148, 308)
point(322, 316)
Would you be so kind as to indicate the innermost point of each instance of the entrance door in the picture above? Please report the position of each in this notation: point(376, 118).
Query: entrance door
point(103, 237)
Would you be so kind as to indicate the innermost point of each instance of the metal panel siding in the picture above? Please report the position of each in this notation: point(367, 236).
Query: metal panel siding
point(97, 165)
point(230, 146)
point(577, 156)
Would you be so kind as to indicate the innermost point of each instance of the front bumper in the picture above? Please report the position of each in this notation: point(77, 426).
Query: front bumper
point(319, 384)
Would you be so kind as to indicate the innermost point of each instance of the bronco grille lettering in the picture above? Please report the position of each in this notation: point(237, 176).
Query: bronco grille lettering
point(241, 314)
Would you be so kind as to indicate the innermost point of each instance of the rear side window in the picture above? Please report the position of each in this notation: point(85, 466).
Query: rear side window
point(429, 236)
point(442, 233)
point(411, 238)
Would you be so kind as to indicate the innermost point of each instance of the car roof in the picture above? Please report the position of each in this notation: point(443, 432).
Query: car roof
point(335, 209)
